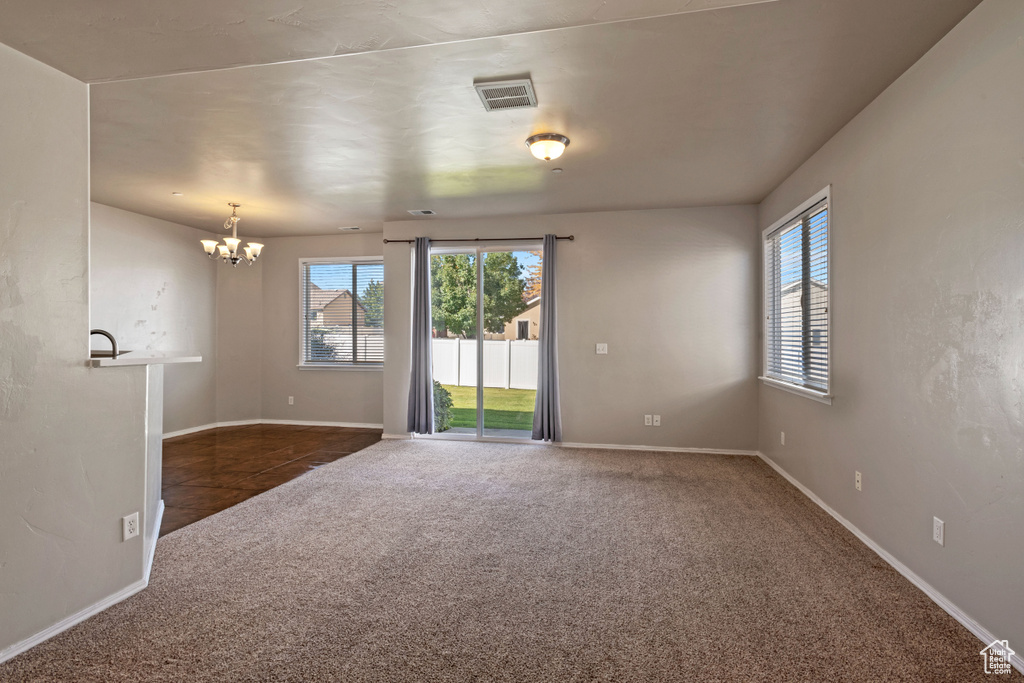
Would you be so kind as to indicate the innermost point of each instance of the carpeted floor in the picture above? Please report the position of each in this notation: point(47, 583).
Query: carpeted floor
point(441, 561)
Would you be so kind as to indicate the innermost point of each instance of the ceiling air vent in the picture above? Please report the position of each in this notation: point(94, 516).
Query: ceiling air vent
point(515, 94)
point(421, 212)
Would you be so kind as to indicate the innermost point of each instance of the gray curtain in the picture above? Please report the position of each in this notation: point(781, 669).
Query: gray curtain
point(547, 416)
point(421, 381)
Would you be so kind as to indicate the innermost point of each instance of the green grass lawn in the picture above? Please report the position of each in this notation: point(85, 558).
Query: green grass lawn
point(503, 408)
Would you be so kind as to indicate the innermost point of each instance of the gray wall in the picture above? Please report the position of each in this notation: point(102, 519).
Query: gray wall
point(72, 438)
point(354, 396)
point(239, 341)
point(928, 312)
point(258, 341)
point(153, 289)
point(672, 292)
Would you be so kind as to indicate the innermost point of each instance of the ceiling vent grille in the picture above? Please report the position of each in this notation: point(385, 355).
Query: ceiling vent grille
point(422, 212)
point(498, 95)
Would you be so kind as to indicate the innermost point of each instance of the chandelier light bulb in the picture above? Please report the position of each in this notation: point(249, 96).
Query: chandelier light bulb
point(232, 243)
point(256, 249)
point(209, 246)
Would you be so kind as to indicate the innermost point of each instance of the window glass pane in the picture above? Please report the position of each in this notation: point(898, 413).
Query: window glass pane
point(343, 306)
point(797, 300)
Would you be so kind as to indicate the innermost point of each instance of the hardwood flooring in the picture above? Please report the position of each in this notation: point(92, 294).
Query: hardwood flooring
point(209, 471)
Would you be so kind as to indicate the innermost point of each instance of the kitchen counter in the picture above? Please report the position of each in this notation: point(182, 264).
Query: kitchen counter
point(145, 358)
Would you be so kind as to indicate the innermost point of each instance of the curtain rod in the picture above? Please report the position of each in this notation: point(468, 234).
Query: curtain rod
point(491, 239)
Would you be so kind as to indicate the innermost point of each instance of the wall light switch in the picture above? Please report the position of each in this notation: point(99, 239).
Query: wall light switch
point(602, 349)
point(291, 400)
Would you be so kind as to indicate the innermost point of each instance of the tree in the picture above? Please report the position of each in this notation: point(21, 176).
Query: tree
point(453, 292)
point(533, 272)
point(503, 290)
point(373, 304)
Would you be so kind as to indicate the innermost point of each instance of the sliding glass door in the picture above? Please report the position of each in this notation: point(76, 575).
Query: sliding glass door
point(486, 323)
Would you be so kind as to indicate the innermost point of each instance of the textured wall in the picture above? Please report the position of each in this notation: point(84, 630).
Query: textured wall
point(72, 438)
point(153, 288)
point(928, 312)
point(320, 395)
point(239, 341)
point(673, 294)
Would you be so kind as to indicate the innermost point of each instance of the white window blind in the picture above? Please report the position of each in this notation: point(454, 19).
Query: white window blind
point(797, 300)
point(342, 312)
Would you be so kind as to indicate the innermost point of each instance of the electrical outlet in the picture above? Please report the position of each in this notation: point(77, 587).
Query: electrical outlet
point(782, 438)
point(657, 420)
point(856, 480)
point(938, 531)
point(291, 400)
point(647, 420)
point(602, 349)
point(130, 526)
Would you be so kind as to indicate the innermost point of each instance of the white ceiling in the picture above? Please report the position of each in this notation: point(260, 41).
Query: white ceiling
point(104, 40)
point(686, 109)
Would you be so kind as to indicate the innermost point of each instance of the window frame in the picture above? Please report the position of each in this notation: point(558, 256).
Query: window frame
point(330, 365)
point(807, 392)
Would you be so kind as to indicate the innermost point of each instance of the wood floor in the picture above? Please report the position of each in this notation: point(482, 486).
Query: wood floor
point(209, 471)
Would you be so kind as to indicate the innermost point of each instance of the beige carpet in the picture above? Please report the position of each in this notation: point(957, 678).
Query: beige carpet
point(448, 561)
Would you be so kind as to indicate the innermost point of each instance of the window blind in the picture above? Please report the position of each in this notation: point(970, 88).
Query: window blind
point(797, 301)
point(343, 312)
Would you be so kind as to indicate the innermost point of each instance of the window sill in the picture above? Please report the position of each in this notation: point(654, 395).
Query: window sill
point(798, 390)
point(372, 367)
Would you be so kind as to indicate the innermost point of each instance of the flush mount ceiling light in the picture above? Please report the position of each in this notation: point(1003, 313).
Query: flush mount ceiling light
point(229, 250)
point(547, 146)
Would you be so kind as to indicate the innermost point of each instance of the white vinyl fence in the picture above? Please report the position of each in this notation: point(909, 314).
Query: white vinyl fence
point(507, 364)
point(369, 347)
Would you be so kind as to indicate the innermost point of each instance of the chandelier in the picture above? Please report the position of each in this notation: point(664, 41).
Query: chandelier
point(229, 250)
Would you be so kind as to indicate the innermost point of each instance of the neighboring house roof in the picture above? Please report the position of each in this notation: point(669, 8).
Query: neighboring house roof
point(532, 302)
point(320, 298)
point(799, 284)
point(345, 293)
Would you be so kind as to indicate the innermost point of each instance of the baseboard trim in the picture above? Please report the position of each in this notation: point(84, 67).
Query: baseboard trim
point(570, 444)
point(245, 423)
point(68, 622)
point(980, 632)
point(110, 601)
point(315, 423)
point(663, 449)
point(151, 549)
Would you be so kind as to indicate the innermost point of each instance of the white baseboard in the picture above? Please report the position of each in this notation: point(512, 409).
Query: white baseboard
point(151, 548)
point(569, 444)
point(148, 554)
point(314, 423)
point(65, 624)
point(982, 633)
point(665, 449)
point(245, 423)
